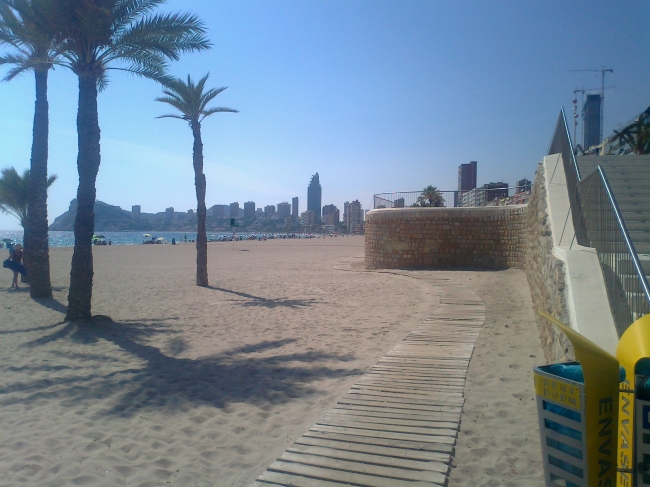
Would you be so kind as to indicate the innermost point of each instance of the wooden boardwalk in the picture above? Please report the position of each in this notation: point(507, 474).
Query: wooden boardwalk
point(397, 426)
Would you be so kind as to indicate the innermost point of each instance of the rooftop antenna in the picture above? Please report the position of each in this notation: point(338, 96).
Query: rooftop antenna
point(602, 70)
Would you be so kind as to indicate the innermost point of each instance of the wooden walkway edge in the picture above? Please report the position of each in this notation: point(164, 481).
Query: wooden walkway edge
point(397, 426)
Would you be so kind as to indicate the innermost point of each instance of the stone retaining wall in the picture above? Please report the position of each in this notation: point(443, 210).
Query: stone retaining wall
point(446, 238)
point(546, 274)
point(479, 238)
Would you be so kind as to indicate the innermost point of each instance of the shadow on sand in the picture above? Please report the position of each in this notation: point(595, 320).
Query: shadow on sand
point(266, 302)
point(160, 380)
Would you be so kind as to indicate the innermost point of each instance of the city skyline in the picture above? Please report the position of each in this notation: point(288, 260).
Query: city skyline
point(375, 95)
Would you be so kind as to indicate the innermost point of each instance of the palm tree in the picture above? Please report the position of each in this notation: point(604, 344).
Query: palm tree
point(33, 49)
point(191, 101)
point(99, 35)
point(636, 135)
point(430, 196)
point(14, 193)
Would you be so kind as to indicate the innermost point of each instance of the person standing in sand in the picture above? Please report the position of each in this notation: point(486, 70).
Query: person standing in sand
point(17, 258)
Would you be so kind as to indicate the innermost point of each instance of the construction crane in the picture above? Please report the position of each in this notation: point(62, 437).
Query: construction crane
point(602, 70)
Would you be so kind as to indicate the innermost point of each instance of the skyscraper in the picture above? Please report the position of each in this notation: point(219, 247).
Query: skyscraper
point(330, 215)
point(294, 208)
point(249, 209)
point(592, 121)
point(314, 195)
point(467, 176)
point(234, 210)
point(352, 215)
point(284, 209)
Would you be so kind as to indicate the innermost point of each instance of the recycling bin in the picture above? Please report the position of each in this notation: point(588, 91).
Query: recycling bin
point(561, 413)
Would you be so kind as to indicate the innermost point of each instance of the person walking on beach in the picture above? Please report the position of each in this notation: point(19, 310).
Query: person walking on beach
point(17, 259)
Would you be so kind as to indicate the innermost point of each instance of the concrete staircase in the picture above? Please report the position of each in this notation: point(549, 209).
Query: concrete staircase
point(629, 178)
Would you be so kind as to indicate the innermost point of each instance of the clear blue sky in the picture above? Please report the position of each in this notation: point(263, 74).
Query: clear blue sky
point(375, 95)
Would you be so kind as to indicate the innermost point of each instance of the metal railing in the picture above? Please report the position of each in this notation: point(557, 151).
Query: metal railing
point(561, 144)
point(627, 286)
point(450, 199)
point(598, 223)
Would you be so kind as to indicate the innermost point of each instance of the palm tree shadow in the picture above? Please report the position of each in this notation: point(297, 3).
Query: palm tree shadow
point(242, 374)
point(52, 304)
point(267, 302)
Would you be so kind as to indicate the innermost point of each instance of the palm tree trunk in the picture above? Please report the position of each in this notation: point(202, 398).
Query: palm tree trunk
point(88, 160)
point(37, 255)
point(26, 251)
point(201, 237)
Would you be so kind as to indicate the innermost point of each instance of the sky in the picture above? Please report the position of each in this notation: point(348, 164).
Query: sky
point(374, 95)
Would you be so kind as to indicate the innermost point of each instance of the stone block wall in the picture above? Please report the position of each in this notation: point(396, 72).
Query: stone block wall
point(479, 238)
point(546, 274)
point(446, 238)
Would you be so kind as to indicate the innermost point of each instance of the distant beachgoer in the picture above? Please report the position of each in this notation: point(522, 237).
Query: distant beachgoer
point(10, 247)
point(16, 264)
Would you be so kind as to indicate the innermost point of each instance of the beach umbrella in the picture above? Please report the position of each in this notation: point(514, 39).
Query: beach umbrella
point(147, 235)
point(98, 236)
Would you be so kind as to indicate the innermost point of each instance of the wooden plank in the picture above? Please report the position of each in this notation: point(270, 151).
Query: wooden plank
point(413, 445)
point(392, 421)
point(425, 389)
point(337, 475)
point(370, 458)
point(389, 435)
point(400, 453)
point(363, 468)
point(290, 480)
point(369, 426)
point(358, 401)
point(389, 386)
point(410, 398)
point(458, 382)
point(372, 412)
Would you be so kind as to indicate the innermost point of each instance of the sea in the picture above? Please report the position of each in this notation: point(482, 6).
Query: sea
point(66, 239)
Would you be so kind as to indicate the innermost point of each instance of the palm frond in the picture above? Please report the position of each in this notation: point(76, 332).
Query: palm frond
point(190, 99)
point(166, 34)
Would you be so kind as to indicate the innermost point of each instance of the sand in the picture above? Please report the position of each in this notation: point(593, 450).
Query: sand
point(180, 385)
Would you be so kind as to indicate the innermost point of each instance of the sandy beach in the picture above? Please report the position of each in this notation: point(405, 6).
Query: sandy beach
point(180, 385)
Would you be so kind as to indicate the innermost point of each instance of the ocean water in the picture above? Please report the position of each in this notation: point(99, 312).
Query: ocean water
point(66, 239)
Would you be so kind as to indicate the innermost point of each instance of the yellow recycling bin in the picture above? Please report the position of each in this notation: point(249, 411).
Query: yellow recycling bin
point(633, 352)
point(577, 406)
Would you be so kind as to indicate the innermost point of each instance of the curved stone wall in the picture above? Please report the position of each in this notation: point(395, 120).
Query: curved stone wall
point(490, 237)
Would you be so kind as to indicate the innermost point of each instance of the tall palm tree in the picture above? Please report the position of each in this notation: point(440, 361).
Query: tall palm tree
point(33, 49)
point(430, 196)
point(191, 101)
point(14, 193)
point(99, 35)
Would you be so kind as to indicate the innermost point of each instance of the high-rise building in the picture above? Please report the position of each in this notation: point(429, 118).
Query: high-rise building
point(234, 210)
point(314, 195)
point(294, 208)
point(467, 176)
point(330, 215)
point(169, 213)
point(284, 209)
point(307, 218)
point(591, 116)
point(352, 215)
point(269, 210)
point(493, 191)
point(523, 185)
point(249, 209)
point(136, 210)
point(219, 211)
